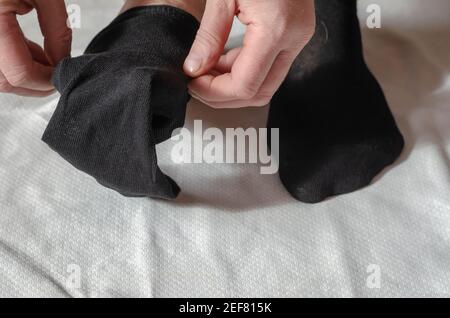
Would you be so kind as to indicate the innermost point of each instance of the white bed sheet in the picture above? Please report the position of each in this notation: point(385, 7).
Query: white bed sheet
point(234, 232)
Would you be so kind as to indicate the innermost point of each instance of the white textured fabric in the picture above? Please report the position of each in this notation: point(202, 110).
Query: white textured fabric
point(234, 232)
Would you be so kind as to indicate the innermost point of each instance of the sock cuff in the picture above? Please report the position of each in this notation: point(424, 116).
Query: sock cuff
point(158, 11)
point(165, 23)
point(157, 37)
point(170, 28)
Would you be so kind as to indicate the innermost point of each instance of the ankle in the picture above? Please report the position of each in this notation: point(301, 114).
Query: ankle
point(196, 8)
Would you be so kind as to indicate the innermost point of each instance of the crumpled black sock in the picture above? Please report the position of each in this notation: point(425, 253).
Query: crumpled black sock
point(336, 130)
point(126, 94)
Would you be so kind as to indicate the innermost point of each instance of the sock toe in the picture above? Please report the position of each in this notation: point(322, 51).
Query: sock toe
point(342, 171)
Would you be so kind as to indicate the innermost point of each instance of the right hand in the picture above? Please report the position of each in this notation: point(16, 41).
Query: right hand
point(277, 30)
point(25, 68)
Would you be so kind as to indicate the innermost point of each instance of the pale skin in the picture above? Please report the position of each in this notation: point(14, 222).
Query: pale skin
point(25, 67)
point(276, 32)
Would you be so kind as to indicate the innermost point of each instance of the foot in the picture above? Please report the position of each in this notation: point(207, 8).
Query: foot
point(336, 130)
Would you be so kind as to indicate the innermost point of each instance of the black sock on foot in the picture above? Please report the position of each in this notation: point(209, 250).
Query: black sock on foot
point(336, 130)
point(125, 95)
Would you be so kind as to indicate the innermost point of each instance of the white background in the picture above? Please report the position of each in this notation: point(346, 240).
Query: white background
point(234, 232)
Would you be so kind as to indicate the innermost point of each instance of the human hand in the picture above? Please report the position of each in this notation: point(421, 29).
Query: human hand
point(277, 30)
point(26, 68)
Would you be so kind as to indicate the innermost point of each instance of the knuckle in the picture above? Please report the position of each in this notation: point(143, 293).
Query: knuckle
point(225, 5)
point(7, 6)
point(263, 100)
point(209, 44)
point(281, 29)
point(60, 35)
point(245, 92)
point(19, 77)
point(65, 35)
point(208, 38)
point(287, 56)
point(5, 87)
point(277, 24)
point(270, 34)
point(260, 103)
point(309, 31)
point(298, 31)
point(302, 38)
point(8, 27)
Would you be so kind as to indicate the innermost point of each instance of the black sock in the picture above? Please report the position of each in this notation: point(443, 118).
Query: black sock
point(126, 94)
point(336, 130)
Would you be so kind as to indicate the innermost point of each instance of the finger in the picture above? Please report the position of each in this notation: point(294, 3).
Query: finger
point(248, 73)
point(30, 93)
point(276, 76)
point(227, 60)
point(5, 87)
point(225, 63)
point(254, 102)
point(16, 61)
point(211, 37)
point(37, 53)
point(52, 17)
point(16, 7)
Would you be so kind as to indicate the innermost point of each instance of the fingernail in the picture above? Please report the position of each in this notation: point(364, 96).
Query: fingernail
point(193, 63)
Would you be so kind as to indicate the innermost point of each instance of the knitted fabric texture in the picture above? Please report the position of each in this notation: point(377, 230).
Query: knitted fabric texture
point(125, 95)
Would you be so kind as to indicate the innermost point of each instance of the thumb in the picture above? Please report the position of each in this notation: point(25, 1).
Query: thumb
point(53, 22)
point(211, 37)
